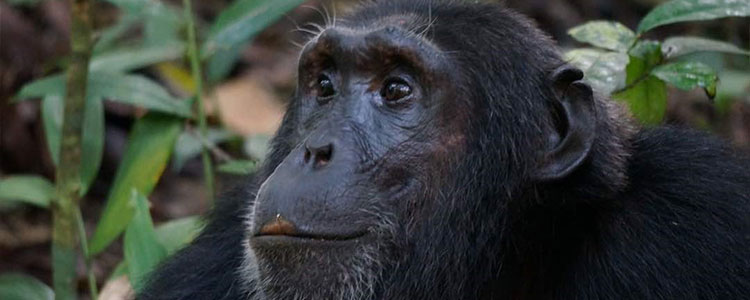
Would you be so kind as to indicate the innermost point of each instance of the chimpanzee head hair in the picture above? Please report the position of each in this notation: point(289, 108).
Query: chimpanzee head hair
point(420, 136)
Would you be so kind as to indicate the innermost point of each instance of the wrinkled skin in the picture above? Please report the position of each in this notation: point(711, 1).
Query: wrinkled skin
point(443, 150)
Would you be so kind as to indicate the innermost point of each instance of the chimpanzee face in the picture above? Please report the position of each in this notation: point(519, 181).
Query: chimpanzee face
point(367, 111)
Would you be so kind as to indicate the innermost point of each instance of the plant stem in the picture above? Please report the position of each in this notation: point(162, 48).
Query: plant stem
point(93, 291)
point(68, 172)
point(195, 66)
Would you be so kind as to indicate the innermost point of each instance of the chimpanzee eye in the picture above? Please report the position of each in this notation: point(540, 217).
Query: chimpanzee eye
point(325, 88)
point(395, 89)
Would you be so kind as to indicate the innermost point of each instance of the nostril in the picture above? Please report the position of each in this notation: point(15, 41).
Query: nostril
point(323, 155)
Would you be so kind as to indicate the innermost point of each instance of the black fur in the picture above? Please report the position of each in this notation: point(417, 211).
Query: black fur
point(659, 213)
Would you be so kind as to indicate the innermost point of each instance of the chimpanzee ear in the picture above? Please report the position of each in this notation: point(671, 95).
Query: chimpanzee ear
point(574, 127)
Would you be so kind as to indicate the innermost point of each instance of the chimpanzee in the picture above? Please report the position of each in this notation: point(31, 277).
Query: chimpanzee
point(445, 150)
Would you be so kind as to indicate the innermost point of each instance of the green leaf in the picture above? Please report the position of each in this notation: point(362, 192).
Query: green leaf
point(681, 45)
point(15, 286)
point(150, 145)
point(647, 50)
point(131, 89)
point(92, 137)
point(111, 34)
point(645, 95)
point(692, 10)
point(141, 247)
point(242, 20)
point(52, 114)
point(92, 141)
point(603, 70)
point(647, 99)
point(122, 60)
point(189, 145)
point(30, 189)
point(162, 23)
point(221, 63)
point(688, 75)
point(177, 233)
point(238, 167)
point(604, 34)
point(135, 7)
point(137, 90)
point(50, 85)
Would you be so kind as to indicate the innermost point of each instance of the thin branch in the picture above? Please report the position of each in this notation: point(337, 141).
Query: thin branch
point(68, 172)
point(195, 66)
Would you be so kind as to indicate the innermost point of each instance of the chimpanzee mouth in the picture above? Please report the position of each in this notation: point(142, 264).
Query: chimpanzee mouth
point(315, 236)
point(305, 238)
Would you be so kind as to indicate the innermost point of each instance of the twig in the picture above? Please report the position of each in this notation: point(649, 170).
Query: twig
point(195, 67)
point(68, 172)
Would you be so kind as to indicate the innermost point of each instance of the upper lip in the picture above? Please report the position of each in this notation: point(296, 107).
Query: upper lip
point(282, 227)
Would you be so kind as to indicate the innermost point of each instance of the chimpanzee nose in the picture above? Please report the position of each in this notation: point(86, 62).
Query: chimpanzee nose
point(318, 154)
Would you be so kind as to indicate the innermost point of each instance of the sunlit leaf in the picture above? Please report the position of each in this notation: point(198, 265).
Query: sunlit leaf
point(242, 20)
point(141, 247)
point(121, 60)
point(15, 286)
point(603, 70)
point(30, 189)
point(604, 34)
point(688, 75)
point(238, 167)
point(176, 77)
point(681, 45)
point(177, 233)
point(149, 147)
point(693, 10)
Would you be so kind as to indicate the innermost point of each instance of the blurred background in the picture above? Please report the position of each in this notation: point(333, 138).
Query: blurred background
point(245, 91)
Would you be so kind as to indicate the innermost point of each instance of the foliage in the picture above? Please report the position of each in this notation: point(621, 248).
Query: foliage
point(637, 70)
point(14, 286)
point(33, 190)
point(115, 74)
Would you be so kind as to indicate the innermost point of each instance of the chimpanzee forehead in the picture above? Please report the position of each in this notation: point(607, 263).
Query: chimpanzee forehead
point(388, 44)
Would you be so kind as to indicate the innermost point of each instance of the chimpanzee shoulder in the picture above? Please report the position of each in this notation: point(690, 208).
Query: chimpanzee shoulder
point(208, 267)
point(680, 225)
